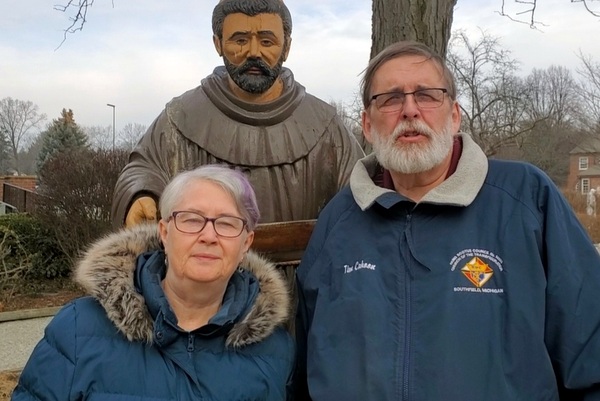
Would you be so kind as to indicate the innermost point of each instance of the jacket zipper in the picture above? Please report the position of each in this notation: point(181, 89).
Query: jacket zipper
point(190, 346)
point(407, 314)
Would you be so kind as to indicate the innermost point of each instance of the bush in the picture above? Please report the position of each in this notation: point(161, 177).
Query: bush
point(29, 243)
point(76, 187)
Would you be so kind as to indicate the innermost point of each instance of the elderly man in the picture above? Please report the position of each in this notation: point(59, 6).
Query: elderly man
point(441, 275)
point(249, 113)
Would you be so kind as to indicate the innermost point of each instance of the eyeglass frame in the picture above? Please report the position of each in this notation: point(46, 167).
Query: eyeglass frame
point(404, 94)
point(173, 216)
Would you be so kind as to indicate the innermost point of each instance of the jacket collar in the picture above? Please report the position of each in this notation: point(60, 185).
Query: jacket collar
point(107, 272)
point(460, 189)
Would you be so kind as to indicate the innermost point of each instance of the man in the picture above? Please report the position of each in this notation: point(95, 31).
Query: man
point(249, 113)
point(440, 275)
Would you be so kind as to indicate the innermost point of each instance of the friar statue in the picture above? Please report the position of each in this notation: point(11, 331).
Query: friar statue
point(249, 113)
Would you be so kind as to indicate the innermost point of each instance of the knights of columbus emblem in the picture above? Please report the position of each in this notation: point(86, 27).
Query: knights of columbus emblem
point(477, 271)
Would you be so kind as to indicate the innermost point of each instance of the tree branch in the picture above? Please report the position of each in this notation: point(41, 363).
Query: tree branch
point(531, 10)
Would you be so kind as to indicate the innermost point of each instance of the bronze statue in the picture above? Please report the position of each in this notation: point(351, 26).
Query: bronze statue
point(249, 113)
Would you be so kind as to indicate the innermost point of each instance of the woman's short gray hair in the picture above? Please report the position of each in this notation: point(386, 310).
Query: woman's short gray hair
point(232, 181)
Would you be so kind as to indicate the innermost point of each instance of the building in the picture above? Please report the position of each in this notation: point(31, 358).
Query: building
point(584, 166)
point(18, 193)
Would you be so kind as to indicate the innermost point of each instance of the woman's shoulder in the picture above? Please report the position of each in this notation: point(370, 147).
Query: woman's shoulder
point(81, 316)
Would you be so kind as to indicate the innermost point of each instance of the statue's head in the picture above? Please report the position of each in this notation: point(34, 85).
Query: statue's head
point(253, 37)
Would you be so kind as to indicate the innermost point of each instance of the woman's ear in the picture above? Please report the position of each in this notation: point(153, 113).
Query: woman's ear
point(163, 230)
point(248, 241)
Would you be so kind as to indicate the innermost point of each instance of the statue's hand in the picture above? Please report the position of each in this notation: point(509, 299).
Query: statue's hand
point(143, 209)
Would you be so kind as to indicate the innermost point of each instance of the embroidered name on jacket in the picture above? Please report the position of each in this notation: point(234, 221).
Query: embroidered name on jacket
point(477, 269)
point(358, 266)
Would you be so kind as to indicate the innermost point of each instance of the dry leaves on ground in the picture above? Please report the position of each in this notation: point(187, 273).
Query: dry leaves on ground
point(8, 381)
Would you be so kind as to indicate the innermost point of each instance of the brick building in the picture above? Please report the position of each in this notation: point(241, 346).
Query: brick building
point(21, 199)
point(584, 166)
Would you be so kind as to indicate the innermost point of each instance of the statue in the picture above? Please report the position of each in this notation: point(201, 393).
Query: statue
point(249, 113)
point(591, 203)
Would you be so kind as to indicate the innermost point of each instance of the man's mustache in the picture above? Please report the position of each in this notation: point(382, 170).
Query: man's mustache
point(254, 63)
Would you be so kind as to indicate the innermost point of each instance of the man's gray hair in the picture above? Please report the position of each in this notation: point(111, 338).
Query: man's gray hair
point(399, 49)
point(232, 181)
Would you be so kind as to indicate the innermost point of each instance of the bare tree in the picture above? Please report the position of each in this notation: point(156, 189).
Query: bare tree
point(589, 73)
point(99, 137)
point(130, 135)
point(552, 102)
point(18, 118)
point(527, 14)
point(351, 116)
point(490, 94)
point(553, 94)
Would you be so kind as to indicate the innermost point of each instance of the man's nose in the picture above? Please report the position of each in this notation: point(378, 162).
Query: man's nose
point(254, 50)
point(410, 109)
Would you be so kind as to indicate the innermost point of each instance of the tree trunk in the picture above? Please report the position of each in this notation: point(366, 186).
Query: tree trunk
point(426, 21)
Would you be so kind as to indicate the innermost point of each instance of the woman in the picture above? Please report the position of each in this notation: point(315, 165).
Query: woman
point(201, 319)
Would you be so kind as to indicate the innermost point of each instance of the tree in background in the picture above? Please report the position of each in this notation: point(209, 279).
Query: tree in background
point(18, 120)
point(491, 95)
point(61, 135)
point(553, 100)
point(98, 137)
point(4, 152)
point(429, 22)
point(28, 157)
point(350, 115)
point(130, 135)
point(589, 73)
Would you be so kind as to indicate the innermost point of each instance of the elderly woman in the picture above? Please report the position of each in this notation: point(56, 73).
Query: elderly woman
point(199, 319)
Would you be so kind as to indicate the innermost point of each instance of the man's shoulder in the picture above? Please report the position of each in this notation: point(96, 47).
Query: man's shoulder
point(516, 171)
point(521, 181)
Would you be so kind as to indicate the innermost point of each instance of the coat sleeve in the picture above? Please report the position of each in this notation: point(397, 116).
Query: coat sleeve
point(48, 374)
point(572, 301)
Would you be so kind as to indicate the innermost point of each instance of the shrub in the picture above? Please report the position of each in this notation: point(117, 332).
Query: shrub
point(76, 187)
point(28, 249)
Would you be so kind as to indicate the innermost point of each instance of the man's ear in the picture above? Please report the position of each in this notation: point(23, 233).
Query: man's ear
point(217, 43)
point(366, 125)
point(287, 48)
point(456, 116)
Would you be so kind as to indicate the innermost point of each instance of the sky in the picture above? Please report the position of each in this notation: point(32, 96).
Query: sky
point(139, 54)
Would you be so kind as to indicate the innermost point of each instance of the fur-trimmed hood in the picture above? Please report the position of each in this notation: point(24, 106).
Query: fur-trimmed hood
point(107, 270)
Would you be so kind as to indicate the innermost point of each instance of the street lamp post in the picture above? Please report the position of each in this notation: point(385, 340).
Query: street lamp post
point(113, 107)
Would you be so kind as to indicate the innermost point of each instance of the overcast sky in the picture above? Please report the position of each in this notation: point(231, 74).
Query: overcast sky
point(141, 53)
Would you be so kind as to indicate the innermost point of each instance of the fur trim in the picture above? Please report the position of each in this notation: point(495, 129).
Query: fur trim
point(106, 272)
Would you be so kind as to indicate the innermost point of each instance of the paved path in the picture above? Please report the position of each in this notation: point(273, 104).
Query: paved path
point(17, 340)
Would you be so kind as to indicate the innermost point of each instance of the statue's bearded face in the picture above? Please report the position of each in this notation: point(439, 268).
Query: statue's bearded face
point(253, 49)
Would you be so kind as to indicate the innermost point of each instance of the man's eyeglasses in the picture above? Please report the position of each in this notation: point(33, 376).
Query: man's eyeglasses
point(193, 223)
point(390, 102)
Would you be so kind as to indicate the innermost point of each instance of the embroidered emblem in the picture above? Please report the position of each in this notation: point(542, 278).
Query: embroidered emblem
point(359, 266)
point(477, 271)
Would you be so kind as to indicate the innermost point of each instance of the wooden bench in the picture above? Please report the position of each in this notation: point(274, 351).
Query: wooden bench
point(284, 242)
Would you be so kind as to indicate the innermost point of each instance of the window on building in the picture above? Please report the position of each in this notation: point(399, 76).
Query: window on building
point(583, 163)
point(585, 185)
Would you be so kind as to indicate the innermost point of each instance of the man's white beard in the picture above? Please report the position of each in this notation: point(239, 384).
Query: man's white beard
point(410, 158)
